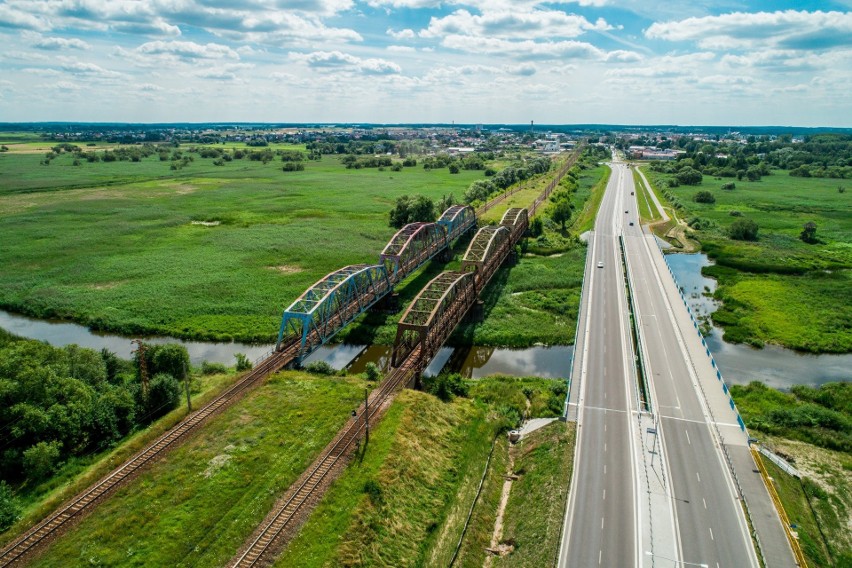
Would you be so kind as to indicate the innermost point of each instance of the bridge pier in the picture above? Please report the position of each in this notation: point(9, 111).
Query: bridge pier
point(477, 312)
point(445, 255)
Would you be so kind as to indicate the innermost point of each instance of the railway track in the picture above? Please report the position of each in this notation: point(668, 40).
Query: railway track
point(54, 524)
point(295, 507)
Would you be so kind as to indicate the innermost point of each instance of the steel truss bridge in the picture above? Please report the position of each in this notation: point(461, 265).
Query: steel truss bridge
point(425, 325)
point(338, 298)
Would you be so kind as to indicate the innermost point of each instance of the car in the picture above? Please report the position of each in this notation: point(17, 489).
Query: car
point(631, 223)
point(627, 211)
point(631, 193)
point(600, 264)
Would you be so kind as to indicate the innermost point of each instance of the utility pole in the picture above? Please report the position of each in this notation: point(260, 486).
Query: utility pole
point(186, 384)
point(143, 367)
point(366, 416)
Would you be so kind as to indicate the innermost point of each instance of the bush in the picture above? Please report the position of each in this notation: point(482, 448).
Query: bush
point(536, 227)
point(689, 176)
point(164, 392)
point(213, 368)
point(735, 213)
point(320, 368)
point(445, 387)
point(704, 197)
point(293, 167)
point(243, 363)
point(373, 372)
point(9, 509)
point(454, 168)
point(730, 185)
point(743, 230)
point(41, 459)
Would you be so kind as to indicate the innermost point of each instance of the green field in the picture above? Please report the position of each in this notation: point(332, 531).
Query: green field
point(198, 506)
point(116, 246)
point(778, 289)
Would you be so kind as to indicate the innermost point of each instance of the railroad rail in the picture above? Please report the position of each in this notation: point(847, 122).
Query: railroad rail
point(48, 527)
point(423, 329)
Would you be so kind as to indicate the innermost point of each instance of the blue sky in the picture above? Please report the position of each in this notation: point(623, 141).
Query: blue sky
point(469, 61)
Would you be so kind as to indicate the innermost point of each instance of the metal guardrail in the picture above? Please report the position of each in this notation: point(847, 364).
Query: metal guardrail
point(776, 500)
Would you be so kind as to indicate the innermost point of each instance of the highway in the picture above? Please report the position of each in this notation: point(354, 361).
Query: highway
point(695, 517)
point(602, 525)
point(711, 525)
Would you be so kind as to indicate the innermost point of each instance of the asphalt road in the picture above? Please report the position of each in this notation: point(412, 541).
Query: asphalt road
point(711, 526)
point(602, 523)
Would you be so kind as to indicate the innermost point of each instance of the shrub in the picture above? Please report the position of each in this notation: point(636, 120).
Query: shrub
point(9, 509)
point(445, 387)
point(213, 368)
point(735, 213)
point(454, 168)
point(743, 230)
point(41, 459)
point(243, 363)
point(320, 368)
point(689, 176)
point(293, 167)
point(163, 395)
point(373, 372)
point(704, 197)
point(730, 185)
point(409, 162)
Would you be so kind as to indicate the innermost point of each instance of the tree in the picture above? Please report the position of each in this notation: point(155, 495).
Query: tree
point(743, 230)
point(704, 197)
point(163, 395)
point(41, 459)
point(454, 168)
point(9, 508)
point(561, 212)
point(243, 363)
point(808, 233)
point(411, 210)
point(689, 176)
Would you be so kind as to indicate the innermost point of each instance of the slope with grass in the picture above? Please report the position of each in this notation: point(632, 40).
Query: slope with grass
point(405, 499)
point(777, 289)
point(197, 507)
point(812, 428)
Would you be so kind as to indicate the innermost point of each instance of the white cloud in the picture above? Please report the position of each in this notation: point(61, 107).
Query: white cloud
point(188, 50)
point(526, 49)
point(511, 24)
point(401, 49)
point(623, 56)
point(784, 29)
point(60, 43)
point(149, 87)
point(347, 62)
point(401, 34)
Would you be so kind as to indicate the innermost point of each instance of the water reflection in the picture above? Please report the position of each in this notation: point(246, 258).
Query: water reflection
point(740, 364)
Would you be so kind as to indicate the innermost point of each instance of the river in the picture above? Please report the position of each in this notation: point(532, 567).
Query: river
point(740, 364)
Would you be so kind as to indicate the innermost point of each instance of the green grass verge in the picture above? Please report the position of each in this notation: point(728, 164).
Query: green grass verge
point(198, 506)
point(533, 518)
point(587, 200)
point(778, 289)
point(647, 209)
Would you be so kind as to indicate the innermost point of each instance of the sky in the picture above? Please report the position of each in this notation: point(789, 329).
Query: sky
point(697, 62)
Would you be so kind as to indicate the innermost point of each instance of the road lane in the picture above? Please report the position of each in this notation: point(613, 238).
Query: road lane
point(602, 527)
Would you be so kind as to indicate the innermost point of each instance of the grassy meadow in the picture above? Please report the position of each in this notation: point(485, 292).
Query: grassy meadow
point(777, 289)
point(198, 507)
point(119, 246)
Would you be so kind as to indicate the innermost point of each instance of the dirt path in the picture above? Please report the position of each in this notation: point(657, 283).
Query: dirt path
point(495, 548)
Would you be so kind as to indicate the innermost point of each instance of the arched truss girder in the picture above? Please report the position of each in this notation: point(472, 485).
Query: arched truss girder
point(483, 246)
point(517, 219)
point(458, 220)
point(433, 315)
point(334, 301)
point(411, 246)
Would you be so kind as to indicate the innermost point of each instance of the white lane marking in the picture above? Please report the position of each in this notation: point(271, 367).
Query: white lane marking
point(604, 495)
point(604, 427)
point(698, 476)
point(604, 469)
point(600, 556)
point(604, 446)
point(687, 437)
point(602, 525)
point(703, 500)
point(603, 409)
point(711, 533)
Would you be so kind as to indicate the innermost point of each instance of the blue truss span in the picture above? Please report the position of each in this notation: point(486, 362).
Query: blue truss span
point(338, 298)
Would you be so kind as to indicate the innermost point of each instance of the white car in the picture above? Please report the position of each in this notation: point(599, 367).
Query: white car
point(600, 264)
